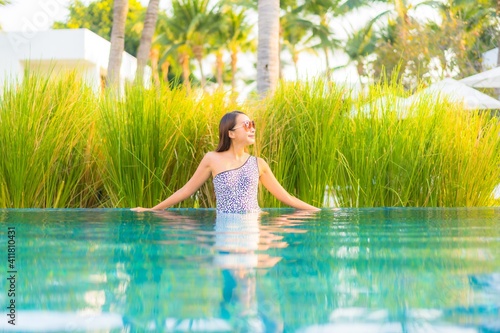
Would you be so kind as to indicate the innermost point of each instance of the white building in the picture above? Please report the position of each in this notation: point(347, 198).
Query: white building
point(490, 59)
point(56, 51)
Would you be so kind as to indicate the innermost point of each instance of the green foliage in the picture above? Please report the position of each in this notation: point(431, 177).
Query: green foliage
point(45, 131)
point(186, 32)
point(64, 146)
point(151, 143)
point(369, 155)
point(238, 31)
point(425, 51)
point(416, 50)
point(97, 16)
point(309, 117)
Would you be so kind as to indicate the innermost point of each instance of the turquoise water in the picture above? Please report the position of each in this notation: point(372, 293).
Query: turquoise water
point(347, 270)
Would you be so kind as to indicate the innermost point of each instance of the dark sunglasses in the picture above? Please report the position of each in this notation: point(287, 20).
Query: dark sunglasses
point(247, 125)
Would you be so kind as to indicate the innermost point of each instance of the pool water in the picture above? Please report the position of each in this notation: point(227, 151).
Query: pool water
point(187, 270)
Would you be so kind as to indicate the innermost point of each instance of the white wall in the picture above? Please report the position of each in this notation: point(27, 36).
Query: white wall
point(490, 59)
point(53, 51)
point(11, 69)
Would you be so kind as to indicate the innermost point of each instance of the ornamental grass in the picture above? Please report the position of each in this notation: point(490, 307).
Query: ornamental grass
point(63, 145)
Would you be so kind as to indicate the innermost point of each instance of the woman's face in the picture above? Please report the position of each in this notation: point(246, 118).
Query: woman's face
point(244, 130)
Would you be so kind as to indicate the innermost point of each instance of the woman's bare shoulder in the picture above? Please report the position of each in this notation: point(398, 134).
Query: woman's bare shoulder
point(261, 161)
point(263, 166)
point(213, 157)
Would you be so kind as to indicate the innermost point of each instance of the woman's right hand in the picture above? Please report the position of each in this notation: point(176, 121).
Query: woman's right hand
point(141, 209)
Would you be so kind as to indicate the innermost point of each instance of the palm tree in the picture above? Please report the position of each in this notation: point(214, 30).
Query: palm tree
point(120, 10)
point(359, 45)
point(479, 30)
point(396, 40)
point(233, 36)
point(217, 45)
point(97, 16)
point(295, 33)
point(322, 33)
point(154, 57)
point(238, 39)
point(219, 67)
point(209, 20)
point(480, 17)
point(148, 31)
point(268, 45)
point(399, 11)
point(170, 53)
point(186, 32)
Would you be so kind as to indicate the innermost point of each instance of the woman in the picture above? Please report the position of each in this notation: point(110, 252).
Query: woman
point(235, 173)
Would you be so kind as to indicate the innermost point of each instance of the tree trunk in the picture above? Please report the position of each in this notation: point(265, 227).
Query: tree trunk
point(198, 54)
point(268, 46)
point(324, 23)
point(155, 57)
point(120, 11)
point(203, 79)
point(402, 12)
point(359, 67)
point(234, 63)
point(146, 39)
point(164, 70)
point(295, 59)
point(327, 59)
point(184, 60)
point(219, 64)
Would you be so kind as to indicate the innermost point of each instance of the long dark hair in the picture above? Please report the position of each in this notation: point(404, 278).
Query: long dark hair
point(227, 122)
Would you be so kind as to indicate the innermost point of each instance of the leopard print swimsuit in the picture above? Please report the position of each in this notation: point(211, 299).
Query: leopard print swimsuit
point(236, 189)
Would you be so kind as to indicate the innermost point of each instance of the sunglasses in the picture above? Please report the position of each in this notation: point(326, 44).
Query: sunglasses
point(247, 125)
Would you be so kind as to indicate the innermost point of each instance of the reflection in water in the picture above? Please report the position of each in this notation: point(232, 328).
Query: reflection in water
point(237, 238)
point(238, 243)
point(375, 270)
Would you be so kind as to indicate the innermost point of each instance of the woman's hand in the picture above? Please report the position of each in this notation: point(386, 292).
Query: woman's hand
point(272, 185)
point(141, 209)
point(200, 176)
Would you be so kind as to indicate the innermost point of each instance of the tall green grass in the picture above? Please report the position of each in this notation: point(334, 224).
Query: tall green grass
point(367, 153)
point(45, 135)
point(301, 127)
point(64, 146)
point(152, 141)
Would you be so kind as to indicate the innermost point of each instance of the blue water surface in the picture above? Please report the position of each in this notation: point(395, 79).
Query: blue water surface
point(189, 270)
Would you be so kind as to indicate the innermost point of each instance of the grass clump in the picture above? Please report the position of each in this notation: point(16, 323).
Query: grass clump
point(46, 130)
point(62, 145)
point(378, 149)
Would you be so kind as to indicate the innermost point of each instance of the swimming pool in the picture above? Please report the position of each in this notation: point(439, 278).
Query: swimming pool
point(346, 270)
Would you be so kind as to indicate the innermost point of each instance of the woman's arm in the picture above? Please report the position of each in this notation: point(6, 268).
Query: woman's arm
point(269, 181)
point(200, 176)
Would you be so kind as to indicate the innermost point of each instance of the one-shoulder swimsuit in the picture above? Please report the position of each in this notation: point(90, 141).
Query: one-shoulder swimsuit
point(236, 189)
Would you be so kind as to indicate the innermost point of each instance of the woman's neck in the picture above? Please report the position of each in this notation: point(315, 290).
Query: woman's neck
point(237, 151)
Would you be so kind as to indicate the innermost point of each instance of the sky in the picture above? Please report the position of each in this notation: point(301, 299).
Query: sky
point(36, 15)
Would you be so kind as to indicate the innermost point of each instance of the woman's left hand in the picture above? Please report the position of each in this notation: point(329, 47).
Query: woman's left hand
point(141, 209)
